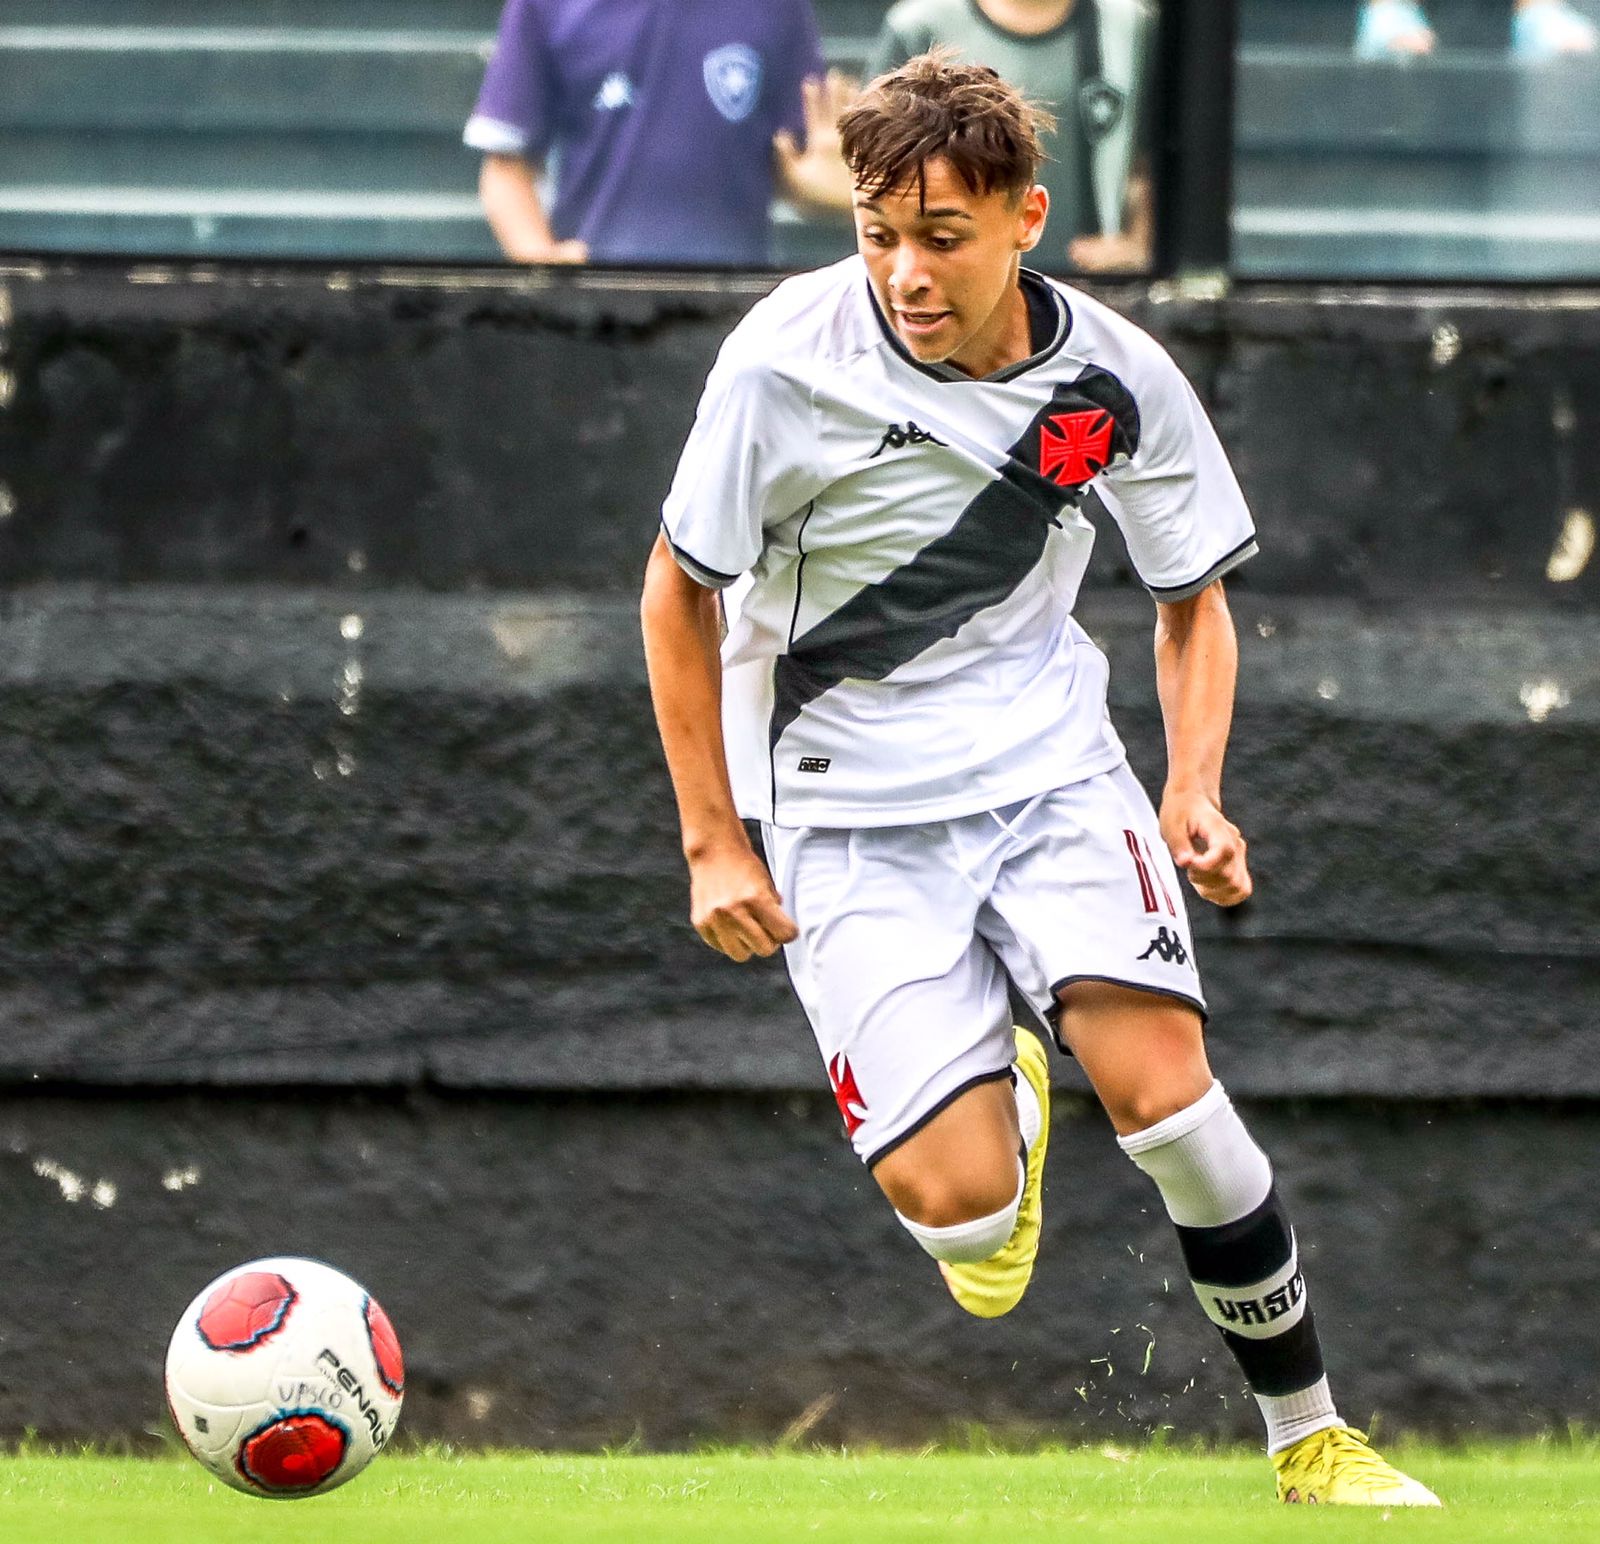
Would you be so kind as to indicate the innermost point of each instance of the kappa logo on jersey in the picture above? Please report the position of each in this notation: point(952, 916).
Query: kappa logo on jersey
point(1081, 449)
point(733, 80)
point(615, 93)
point(846, 1094)
point(1168, 948)
point(896, 438)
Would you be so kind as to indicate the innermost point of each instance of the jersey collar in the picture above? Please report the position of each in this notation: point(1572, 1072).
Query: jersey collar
point(1049, 319)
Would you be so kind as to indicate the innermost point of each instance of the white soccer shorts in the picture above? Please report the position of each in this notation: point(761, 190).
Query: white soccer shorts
point(909, 933)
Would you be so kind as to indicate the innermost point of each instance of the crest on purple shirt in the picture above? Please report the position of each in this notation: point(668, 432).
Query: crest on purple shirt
point(733, 80)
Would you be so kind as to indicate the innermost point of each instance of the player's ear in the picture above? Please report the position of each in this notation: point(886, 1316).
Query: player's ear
point(1032, 210)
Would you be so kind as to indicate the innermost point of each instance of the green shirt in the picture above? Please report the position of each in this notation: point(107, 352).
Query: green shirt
point(1087, 71)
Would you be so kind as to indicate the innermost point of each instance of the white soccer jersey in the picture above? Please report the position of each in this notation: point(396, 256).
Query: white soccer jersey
point(900, 548)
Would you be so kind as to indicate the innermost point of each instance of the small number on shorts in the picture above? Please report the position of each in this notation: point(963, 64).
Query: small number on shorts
point(1149, 877)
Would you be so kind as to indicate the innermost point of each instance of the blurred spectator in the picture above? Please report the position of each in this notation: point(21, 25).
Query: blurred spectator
point(1540, 29)
point(1393, 29)
point(1085, 60)
point(667, 126)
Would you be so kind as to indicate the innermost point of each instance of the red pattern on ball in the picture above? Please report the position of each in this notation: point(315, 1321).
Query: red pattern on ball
point(386, 1349)
point(296, 1452)
point(246, 1310)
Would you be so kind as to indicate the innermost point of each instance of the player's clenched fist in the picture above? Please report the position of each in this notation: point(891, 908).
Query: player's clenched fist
point(735, 907)
point(1207, 846)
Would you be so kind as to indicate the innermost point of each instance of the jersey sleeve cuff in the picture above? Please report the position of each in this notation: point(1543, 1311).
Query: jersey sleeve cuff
point(1246, 550)
point(711, 578)
point(494, 136)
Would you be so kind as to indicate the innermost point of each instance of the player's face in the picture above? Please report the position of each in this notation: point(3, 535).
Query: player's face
point(943, 262)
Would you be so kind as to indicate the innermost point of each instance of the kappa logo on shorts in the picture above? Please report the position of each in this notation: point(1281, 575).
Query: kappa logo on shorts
point(846, 1094)
point(1168, 948)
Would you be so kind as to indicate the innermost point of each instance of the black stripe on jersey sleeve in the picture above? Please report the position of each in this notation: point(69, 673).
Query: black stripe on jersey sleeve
point(1246, 550)
point(696, 570)
point(990, 548)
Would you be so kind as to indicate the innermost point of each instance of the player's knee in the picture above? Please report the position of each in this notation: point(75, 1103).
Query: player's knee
point(938, 1200)
point(1142, 1109)
point(1146, 1101)
point(964, 1219)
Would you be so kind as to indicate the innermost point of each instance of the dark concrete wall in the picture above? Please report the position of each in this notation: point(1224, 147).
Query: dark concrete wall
point(588, 1268)
point(483, 428)
point(336, 865)
point(444, 850)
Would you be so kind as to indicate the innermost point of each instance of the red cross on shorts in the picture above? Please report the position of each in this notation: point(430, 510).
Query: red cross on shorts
point(845, 1092)
point(1082, 448)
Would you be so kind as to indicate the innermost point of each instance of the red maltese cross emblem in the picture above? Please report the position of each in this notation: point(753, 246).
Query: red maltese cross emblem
point(851, 1105)
point(1082, 448)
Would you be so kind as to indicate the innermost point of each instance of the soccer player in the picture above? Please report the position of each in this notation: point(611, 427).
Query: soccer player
point(883, 482)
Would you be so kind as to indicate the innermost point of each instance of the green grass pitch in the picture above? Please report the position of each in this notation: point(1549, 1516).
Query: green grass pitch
point(1546, 1492)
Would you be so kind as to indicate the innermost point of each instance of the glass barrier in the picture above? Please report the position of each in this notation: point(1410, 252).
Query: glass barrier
point(1090, 63)
point(1440, 139)
point(389, 129)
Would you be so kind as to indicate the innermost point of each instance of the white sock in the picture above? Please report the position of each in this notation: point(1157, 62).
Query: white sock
point(965, 1243)
point(1205, 1164)
point(1212, 1174)
point(1292, 1417)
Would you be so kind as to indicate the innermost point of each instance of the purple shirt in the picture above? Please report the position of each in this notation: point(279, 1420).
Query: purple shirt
point(657, 117)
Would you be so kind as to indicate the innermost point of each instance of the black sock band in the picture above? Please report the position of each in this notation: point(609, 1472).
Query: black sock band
point(1246, 1274)
point(1285, 1364)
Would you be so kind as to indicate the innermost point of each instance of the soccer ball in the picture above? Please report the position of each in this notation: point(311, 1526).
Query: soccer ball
point(284, 1378)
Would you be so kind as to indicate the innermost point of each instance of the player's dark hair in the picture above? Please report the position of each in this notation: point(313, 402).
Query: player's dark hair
point(938, 105)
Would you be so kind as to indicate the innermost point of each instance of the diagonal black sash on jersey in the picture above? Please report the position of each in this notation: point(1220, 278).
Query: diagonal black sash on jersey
point(994, 545)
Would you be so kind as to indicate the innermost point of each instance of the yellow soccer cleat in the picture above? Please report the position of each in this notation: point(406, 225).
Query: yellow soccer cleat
point(995, 1286)
point(1336, 1467)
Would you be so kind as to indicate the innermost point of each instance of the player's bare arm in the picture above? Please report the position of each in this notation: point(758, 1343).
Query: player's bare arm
point(1128, 250)
point(1197, 664)
point(732, 902)
point(508, 188)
